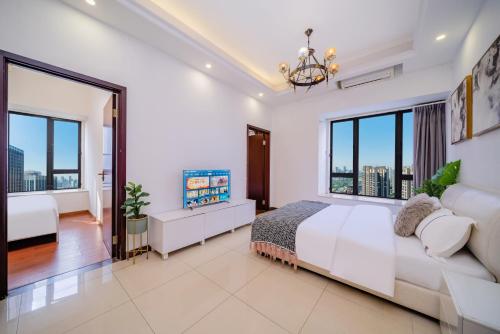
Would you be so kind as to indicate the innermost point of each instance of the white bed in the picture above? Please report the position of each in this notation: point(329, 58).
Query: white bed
point(417, 278)
point(415, 267)
point(32, 216)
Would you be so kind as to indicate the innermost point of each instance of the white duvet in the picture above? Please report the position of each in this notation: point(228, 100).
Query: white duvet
point(31, 216)
point(355, 243)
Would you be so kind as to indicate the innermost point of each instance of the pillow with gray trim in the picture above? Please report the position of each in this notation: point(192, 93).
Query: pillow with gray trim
point(443, 234)
point(413, 212)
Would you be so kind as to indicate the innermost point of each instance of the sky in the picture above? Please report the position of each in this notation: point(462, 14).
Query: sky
point(30, 135)
point(376, 141)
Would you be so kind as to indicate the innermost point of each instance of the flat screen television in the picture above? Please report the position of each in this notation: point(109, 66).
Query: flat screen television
point(203, 187)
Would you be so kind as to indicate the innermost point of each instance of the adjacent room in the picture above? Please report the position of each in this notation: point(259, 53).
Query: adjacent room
point(184, 166)
point(59, 174)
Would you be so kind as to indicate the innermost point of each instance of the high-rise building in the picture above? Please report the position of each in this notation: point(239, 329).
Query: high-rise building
point(34, 181)
point(16, 169)
point(407, 187)
point(65, 182)
point(376, 181)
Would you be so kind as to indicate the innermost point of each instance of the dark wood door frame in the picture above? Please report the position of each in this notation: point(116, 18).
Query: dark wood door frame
point(267, 163)
point(120, 158)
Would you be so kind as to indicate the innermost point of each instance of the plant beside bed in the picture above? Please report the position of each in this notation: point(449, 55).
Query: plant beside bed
point(444, 177)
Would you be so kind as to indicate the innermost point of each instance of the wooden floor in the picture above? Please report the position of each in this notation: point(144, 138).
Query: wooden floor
point(80, 244)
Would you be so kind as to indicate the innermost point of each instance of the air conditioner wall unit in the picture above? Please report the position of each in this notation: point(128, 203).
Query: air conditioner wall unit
point(384, 74)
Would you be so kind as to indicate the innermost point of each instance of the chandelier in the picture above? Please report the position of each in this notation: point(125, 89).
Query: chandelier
point(310, 72)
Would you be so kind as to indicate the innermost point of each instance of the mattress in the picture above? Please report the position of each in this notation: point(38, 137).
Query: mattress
point(414, 266)
point(31, 216)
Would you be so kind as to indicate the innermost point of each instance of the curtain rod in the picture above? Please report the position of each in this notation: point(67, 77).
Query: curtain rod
point(429, 104)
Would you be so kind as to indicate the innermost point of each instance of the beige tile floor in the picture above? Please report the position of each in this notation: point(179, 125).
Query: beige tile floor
point(219, 287)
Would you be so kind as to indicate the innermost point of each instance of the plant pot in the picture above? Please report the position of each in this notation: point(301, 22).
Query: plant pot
point(137, 226)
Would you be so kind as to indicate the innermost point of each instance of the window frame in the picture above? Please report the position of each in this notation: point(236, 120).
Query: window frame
point(50, 150)
point(398, 154)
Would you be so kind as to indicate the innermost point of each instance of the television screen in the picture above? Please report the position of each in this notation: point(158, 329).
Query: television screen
point(202, 187)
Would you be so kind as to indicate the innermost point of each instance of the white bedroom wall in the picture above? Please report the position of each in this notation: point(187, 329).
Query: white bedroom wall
point(297, 128)
point(178, 118)
point(480, 155)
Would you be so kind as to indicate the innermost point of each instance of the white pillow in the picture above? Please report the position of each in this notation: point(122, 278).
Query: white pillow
point(437, 203)
point(443, 234)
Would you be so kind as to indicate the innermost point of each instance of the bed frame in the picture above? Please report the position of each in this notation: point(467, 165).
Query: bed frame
point(412, 296)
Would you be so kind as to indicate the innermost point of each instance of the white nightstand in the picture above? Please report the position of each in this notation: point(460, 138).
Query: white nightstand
point(472, 307)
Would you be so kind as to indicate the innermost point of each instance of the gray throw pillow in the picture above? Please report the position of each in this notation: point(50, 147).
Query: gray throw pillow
point(415, 210)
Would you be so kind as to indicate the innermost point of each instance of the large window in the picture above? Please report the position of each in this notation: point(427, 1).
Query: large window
point(44, 153)
point(373, 155)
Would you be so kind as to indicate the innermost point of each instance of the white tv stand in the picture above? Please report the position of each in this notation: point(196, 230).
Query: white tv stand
point(176, 229)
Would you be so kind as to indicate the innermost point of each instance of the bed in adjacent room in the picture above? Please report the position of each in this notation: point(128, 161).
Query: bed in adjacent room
point(357, 245)
point(32, 216)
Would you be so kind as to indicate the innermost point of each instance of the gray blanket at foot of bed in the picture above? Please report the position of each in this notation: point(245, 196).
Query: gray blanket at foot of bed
point(279, 226)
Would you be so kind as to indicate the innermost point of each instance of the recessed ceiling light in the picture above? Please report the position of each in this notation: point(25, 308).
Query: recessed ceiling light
point(261, 94)
point(90, 2)
point(440, 37)
point(208, 65)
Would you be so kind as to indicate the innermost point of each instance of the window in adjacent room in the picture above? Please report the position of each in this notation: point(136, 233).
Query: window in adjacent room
point(44, 153)
point(373, 155)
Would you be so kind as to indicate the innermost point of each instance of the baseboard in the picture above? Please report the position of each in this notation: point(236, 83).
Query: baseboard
point(74, 213)
point(33, 241)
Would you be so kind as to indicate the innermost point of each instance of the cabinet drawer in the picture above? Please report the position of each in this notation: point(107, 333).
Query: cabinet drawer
point(219, 221)
point(183, 232)
point(244, 214)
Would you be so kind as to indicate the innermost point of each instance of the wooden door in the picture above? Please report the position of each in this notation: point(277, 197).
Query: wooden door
point(258, 156)
point(108, 172)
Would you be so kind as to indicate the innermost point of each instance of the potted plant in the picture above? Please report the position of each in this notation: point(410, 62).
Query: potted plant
point(444, 177)
point(137, 222)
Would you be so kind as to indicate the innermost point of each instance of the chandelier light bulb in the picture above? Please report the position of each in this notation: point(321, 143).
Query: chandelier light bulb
point(283, 67)
point(330, 54)
point(319, 77)
point(303, 53)
point(333, 68)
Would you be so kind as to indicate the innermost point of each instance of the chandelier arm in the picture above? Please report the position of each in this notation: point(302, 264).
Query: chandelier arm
point(310, 69)
point(317, 62)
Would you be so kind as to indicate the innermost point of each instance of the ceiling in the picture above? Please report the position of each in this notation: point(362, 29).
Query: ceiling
point(37, 92)
point(245, 40)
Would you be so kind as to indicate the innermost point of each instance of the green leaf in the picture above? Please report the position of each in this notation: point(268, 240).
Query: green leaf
point(133, 204)
point(448, 174)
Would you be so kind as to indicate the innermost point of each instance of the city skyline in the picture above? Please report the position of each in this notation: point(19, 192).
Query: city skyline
point(376, 142)
point(378, 181)
point(21, 180)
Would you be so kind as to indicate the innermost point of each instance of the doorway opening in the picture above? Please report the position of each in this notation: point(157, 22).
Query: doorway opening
point(62, 171)
point(258, 166)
